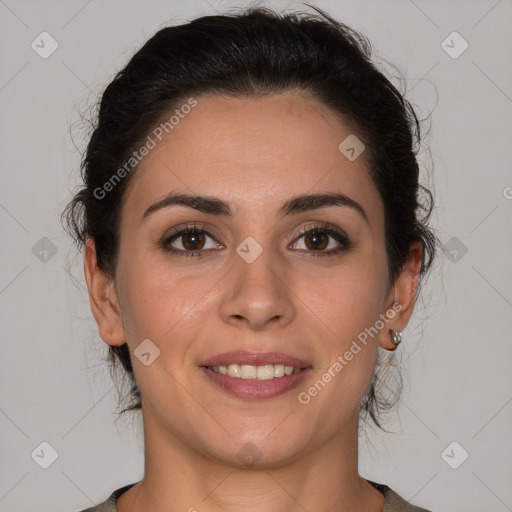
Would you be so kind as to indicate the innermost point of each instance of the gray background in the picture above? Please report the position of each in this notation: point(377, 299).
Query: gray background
point(456, 354)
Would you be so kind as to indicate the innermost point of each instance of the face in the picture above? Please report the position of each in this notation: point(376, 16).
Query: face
point(252, 280)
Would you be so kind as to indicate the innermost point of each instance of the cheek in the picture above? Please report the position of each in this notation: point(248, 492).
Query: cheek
point(349, 305)
point(348, 299)
point(159, 301)
point(168, 310)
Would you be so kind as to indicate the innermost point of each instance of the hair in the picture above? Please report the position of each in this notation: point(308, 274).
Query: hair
point(255, 53)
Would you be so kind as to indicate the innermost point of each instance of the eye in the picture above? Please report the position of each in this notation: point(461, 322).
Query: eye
point(189, 240)
point(316, 240)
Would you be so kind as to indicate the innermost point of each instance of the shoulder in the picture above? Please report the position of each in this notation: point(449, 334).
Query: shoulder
point(109, 505)
point(395, 503)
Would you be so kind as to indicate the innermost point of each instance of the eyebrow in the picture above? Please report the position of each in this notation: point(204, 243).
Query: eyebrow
point(215, 206)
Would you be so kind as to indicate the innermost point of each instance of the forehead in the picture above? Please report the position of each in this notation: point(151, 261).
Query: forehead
point(254, 153)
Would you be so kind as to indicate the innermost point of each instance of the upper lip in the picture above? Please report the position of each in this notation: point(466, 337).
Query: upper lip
point(255, 359)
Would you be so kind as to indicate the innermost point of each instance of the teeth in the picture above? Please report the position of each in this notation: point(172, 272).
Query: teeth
point(234, 370)
point(265, 372)
point(278, 370)
point(248, 372)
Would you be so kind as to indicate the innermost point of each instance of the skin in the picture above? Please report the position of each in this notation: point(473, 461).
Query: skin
point(255, 153)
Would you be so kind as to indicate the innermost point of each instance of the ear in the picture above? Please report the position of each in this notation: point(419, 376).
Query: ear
point(103, 299)
point(403, 292)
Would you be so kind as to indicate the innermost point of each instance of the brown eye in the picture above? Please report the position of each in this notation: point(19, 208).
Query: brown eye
point(189, 241)
point(192, 240)
point(316, 240)
point(323, 241)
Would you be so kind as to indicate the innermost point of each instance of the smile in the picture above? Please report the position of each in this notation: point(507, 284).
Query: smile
point(251, 387)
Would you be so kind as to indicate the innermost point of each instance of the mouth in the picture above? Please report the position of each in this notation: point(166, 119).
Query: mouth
point(255, 375)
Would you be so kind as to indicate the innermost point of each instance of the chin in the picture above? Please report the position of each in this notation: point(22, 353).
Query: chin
point(259, 450)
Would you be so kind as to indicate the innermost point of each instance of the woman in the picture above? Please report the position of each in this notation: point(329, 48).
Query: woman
point(253, 237)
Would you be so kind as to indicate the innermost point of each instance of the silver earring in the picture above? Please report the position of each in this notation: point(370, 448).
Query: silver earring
point(396, 336)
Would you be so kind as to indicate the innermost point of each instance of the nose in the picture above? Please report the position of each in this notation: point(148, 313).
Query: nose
point(257, 295)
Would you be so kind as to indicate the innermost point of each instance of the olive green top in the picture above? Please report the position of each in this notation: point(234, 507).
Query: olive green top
point(394, 503)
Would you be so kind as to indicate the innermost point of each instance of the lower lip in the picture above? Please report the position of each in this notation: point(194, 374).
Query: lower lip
point(255, 389)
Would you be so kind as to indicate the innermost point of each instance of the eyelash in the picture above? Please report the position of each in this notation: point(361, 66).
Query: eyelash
point(338, 235)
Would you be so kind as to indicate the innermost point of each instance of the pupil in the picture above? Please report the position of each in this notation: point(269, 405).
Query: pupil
point(193, 236)
point(317, 243)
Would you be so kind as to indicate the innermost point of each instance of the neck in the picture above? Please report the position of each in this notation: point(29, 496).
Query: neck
point(178, 477)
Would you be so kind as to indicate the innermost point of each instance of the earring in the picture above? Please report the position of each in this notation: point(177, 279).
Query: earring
point(396, 336)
